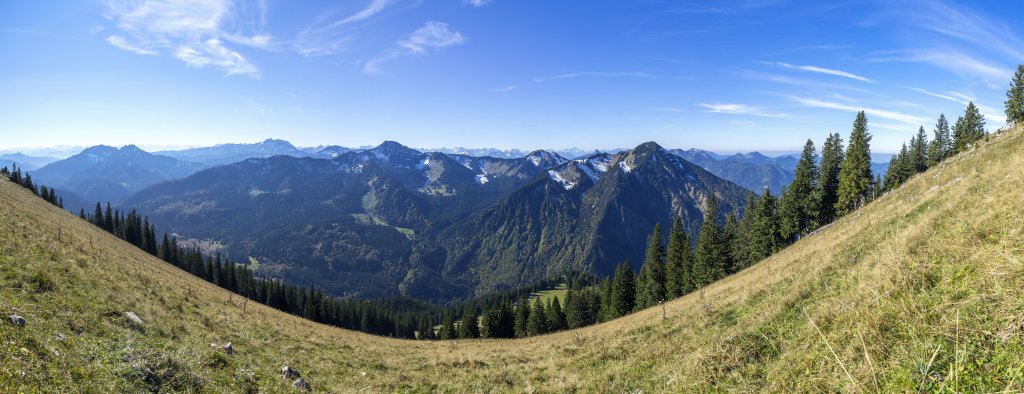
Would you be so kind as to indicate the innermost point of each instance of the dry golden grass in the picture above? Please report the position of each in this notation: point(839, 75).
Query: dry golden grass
point(919, 291)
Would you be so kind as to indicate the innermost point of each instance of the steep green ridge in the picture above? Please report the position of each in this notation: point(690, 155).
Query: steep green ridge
point(921, 290)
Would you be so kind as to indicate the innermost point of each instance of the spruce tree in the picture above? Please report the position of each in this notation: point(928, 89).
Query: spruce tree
point(538, 322)
point(919, 151)
point(939, 147)
point(678, 261)
point(448, 328)
point(555, 316)
point(1015, 98)
point(426, 330)
point(652, 290)
point(901, 167)
point(710, 256)
point(855, 175)
point(828, 178)
point(623, 291)
point(725, 240)
point(764, 231)
point(108, 219)
point(574, 309)
point(469, 325)
point(788, 213)
point(607, 310)
point(740, 248)
point(522, 318)
point(97, 216)
point(802, 189)
point(969, 128)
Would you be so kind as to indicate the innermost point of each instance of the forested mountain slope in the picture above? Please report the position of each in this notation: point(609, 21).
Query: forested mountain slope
point(395, 221)
point(921, 290)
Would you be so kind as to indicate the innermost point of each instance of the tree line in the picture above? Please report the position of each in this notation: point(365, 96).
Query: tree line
point(821, 192)
point(15, 175)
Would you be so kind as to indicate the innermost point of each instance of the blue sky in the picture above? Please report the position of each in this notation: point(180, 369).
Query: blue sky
point(725, 76)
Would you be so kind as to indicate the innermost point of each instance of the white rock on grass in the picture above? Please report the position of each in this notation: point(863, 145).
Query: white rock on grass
point(17, 320)
point(302, 384)
point(133, 317)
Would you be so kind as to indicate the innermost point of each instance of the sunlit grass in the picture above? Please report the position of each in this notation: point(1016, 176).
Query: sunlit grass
point(920, 290)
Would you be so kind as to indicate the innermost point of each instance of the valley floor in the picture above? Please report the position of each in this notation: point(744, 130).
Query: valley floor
point(919, 291)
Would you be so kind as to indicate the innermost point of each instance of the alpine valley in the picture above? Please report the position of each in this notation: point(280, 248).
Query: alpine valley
point(391, 220)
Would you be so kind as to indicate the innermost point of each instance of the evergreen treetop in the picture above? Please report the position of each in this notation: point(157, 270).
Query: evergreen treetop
point(1015, 98)
point(855, 176)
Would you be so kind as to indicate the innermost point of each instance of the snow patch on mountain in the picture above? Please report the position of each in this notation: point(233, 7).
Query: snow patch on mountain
point(555, 176)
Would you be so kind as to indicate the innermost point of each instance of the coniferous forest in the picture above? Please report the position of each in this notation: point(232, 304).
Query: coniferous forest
point(824, 189)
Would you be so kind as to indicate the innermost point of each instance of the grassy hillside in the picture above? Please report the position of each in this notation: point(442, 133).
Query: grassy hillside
point(921, 290)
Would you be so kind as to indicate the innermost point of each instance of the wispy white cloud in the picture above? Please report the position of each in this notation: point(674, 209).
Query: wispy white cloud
point(821, 70)
point(964, 98)
point(939, 95)
point(432, 35)
point(332, 34)
point(213, 53)
point(507, 88)
point(120, 42)
point(190, 30)
point(887, 114)
point(371, 9)
point(739, 109)
point(785, 79)
point(957, 62)
point(476, 3)
point(965, 25)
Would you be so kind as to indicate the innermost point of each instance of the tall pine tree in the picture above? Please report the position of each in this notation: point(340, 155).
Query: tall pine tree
point(969, 128)
point(764, 230)
point(1015, 98)
point(941, 144)
point(710, 257)
point(740, 248)
point(855, 175)
point(801, 199)
point(651, 284)
point(522, 319)
point(919, 151)
point(538, 322)
point(623, 291)
point(678, 261)
point(828, 177)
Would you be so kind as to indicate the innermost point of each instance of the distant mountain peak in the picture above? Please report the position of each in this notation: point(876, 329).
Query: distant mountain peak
point(648, 147)
point(132, 149)
point(545, 159)
point(276, 144)
point(389, 148)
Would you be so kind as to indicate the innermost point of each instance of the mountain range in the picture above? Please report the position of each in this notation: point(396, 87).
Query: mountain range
point(391, 220)
point(395, 221)
point(104, 173)
point(232, 153)
point(25, 162)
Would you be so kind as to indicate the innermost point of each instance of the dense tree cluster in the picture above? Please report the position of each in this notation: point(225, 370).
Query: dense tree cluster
point(920, 154)
point(14, 174)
